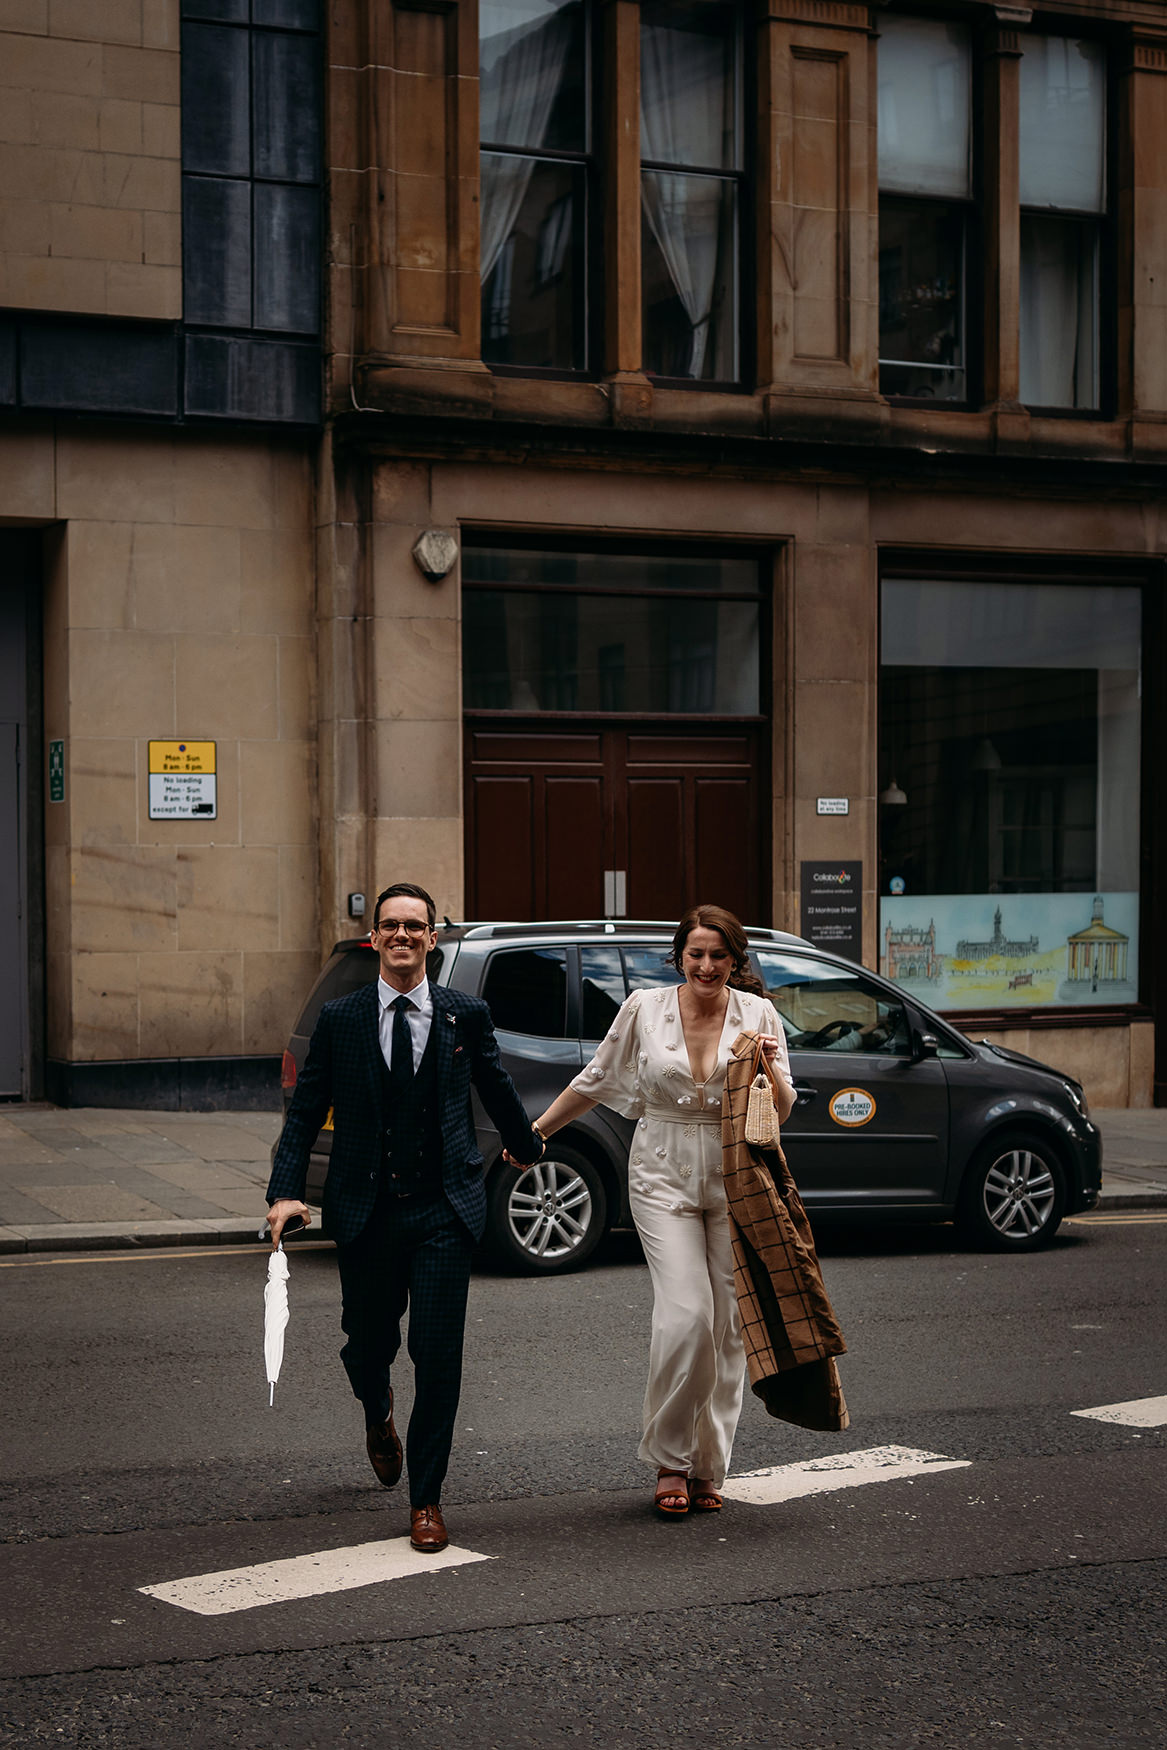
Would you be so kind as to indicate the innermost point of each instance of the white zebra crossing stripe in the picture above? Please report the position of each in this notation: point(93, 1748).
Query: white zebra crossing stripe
point(368, 1564)
point(310, 1576)
point(844, 1470)
point(1138, 1413)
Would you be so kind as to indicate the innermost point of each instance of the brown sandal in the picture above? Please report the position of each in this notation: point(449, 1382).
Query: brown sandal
point(671, 1500)
point(703, 1497)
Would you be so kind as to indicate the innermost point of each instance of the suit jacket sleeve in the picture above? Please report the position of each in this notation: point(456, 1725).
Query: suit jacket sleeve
point(307, 1112)
point(500, 1096)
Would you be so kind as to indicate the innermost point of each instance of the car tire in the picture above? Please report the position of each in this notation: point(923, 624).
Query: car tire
point(1014, 1193)
point(551, 1216)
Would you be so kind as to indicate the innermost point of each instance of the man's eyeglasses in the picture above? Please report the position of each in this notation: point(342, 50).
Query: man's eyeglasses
point(411, 926)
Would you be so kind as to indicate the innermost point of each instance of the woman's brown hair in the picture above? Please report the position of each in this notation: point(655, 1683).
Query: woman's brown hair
point(715, 917)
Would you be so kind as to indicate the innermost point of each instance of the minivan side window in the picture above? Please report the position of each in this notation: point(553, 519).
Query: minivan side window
point(648, 968)
point(824, 1008)
point(601, 989)
point(526, 991)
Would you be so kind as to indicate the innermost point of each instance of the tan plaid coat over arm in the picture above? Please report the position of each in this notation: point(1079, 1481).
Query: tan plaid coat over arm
point(789, 1329)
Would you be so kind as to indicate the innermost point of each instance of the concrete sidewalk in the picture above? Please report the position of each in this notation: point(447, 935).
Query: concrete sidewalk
point(107, 1180)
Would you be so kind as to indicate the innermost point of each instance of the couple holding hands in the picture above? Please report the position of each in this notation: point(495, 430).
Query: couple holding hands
point(731, 1258)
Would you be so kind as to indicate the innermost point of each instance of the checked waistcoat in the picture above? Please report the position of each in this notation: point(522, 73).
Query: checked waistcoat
point(413, 1137)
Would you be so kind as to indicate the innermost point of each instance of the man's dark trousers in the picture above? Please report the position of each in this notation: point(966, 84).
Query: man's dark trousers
point(416, 1250)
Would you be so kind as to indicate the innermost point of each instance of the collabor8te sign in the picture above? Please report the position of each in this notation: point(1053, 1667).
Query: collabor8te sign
point(832, 901)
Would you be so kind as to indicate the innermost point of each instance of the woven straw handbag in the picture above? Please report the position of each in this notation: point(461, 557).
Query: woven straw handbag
point(761, 1118)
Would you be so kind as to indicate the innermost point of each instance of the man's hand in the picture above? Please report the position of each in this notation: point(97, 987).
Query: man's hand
point(521, 1166)
point(279, 1212)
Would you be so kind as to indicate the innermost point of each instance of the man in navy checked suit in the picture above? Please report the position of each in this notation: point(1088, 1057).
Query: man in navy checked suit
point(404, 1198)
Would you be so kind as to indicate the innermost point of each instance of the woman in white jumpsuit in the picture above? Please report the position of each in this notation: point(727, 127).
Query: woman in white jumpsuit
point(663, 1063)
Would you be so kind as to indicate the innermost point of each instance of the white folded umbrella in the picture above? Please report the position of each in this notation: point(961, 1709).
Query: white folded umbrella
point(275, 1317)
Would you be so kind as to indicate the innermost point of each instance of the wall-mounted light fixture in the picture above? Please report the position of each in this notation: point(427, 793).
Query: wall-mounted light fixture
point(985, 757)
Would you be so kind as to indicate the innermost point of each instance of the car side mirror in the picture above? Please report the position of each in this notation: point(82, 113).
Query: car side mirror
point(923, 1045)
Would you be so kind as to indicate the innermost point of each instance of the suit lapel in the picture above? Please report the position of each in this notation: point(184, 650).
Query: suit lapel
point(445, 1031)
point(370, 1031)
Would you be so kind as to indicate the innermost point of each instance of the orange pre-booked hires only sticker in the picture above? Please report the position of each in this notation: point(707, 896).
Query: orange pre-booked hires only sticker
point(852, 1107)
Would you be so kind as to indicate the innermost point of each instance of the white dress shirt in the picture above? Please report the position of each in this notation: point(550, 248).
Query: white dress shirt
point(419, 1012)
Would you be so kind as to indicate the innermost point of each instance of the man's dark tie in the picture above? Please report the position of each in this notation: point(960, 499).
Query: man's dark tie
point(401, 1060)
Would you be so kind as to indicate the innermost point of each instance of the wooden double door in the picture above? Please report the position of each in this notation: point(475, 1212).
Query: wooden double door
point(635, 821)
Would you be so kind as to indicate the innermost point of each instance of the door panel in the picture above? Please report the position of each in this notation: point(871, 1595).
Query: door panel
point(11, 920)
point(548, 811)
point(503, 809)
point(899, 1155)
point(724, 840)
point(655, 829)
point(846, 1034)
point(574, 832)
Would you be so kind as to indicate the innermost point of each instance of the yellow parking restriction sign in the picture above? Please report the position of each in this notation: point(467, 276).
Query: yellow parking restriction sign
point(182, 780)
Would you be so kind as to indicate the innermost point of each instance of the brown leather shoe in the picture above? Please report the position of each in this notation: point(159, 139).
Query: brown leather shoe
point(384, 1449)
point(427, 1529)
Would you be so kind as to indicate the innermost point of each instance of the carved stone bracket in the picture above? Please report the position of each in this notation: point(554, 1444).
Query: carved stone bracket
point(1004, 43)
point(1148, 52)
point(831, 14)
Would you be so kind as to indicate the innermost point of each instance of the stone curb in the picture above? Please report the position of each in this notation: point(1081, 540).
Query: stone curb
point(116, 1236)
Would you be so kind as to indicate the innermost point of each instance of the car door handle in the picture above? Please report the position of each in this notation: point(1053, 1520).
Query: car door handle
point(804, 1093)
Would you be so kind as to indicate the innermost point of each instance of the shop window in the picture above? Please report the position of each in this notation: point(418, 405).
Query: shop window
point(610, 632)
point(1063, 201)
point(1009, 809)
point(691, 153)
point(925, 207)
point(535, 129)
point(526, 991)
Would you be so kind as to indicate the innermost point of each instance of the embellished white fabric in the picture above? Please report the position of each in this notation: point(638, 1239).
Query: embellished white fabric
point(696, 1363)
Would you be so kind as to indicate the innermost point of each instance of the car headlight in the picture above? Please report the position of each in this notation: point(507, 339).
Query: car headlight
point(1078, 1095)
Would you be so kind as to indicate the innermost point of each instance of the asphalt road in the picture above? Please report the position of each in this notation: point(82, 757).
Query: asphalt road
point(1015, 1600)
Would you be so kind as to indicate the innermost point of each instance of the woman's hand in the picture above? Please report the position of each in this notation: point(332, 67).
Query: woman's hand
point(769, 1045)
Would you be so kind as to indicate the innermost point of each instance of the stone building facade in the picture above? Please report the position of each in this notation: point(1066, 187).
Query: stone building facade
point(798, 421)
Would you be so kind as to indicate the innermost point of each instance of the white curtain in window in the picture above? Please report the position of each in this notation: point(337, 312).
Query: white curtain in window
point(686, 95)
point(1058, 312)
point(684, 215)
point(1063, 124)
point(520, 76)
point(925, 109)
point(686, 117)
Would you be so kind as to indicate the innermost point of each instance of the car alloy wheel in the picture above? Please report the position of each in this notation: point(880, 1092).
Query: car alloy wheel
point(551, 1216)
point(1014, 1193)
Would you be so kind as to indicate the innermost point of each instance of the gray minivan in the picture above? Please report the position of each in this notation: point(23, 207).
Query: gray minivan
point(899, 1115)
